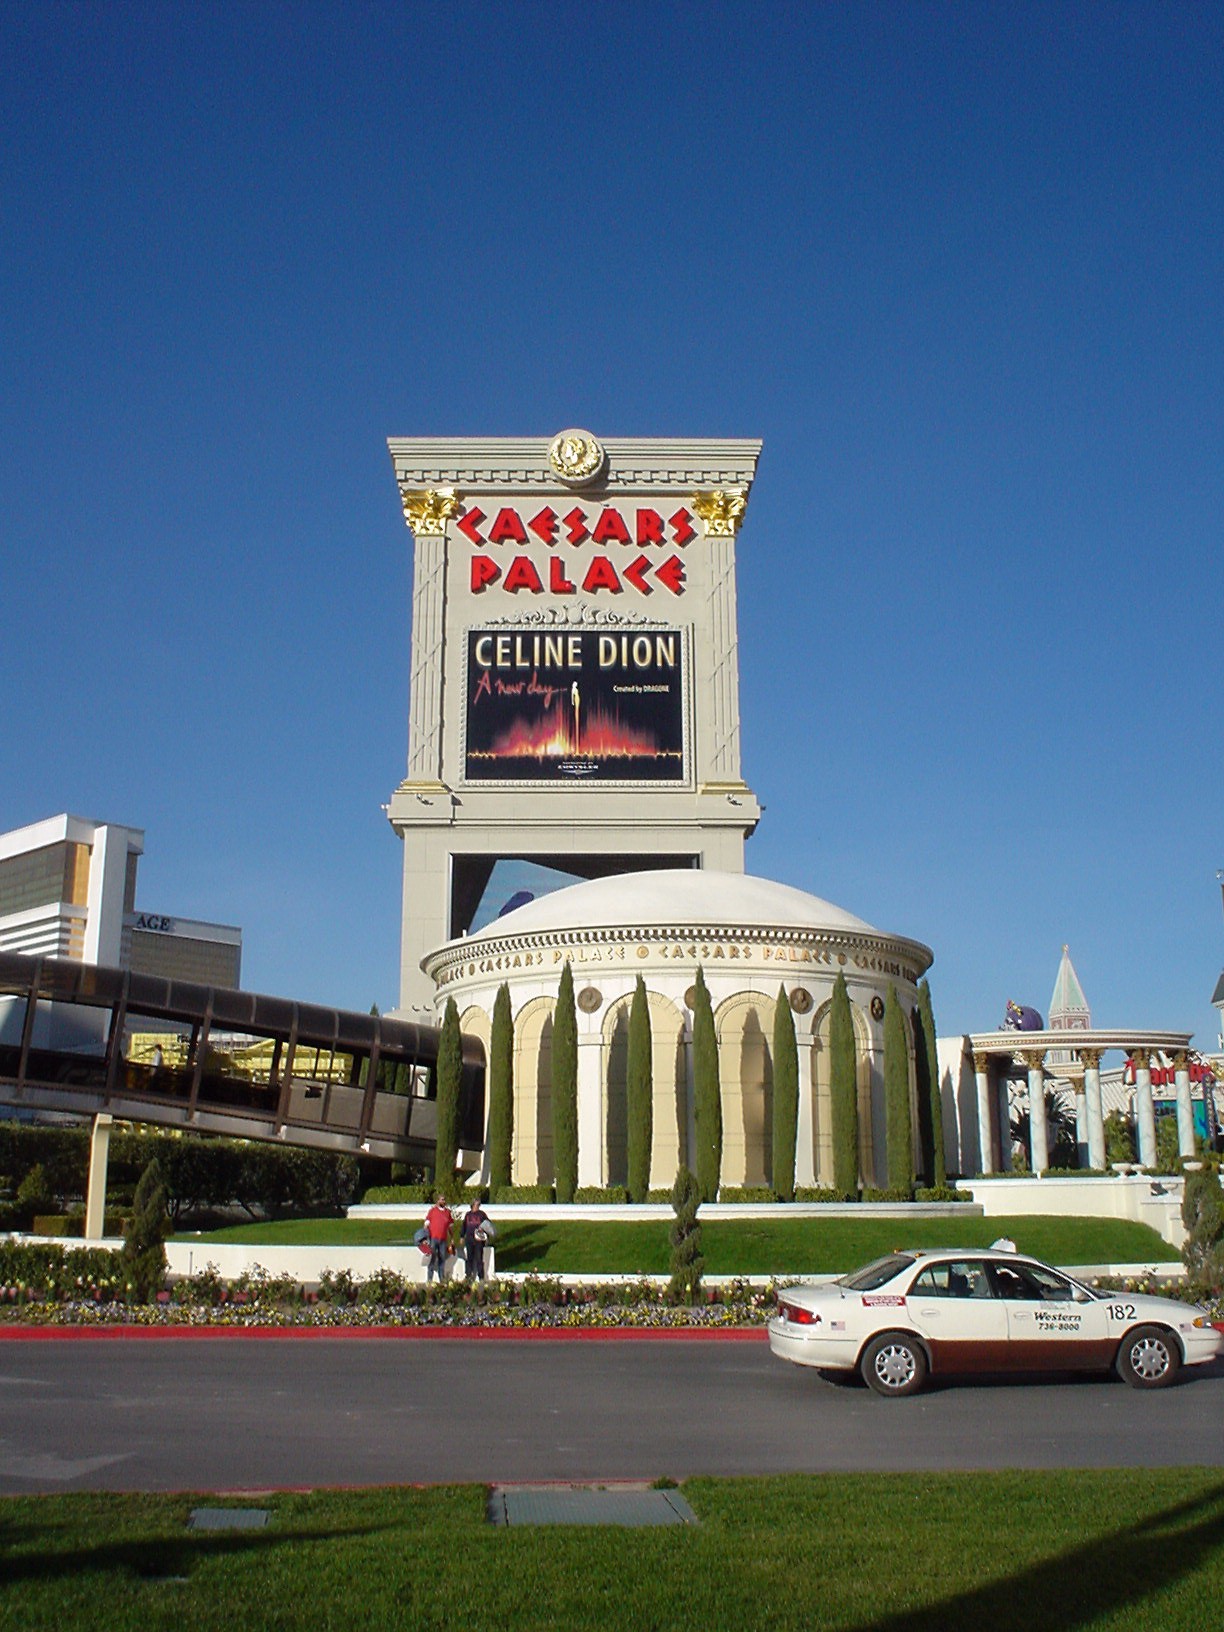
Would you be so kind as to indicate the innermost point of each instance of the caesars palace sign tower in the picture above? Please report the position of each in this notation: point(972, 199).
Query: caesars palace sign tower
point(574, 672)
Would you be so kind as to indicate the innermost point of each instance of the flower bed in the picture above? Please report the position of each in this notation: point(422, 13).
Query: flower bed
point(386, 1300)
point(61, 1290)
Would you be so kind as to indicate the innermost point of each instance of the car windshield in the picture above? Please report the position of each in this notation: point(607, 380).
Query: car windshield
point(879, 1273)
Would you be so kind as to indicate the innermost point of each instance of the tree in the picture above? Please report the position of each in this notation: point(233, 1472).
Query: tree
point(785, 1097)
point(639, 1096)
point(144, 1241)
point(707, 1096)
point(501, 1090)
point(687, 1262)
point(450, 1075)
point(843, 1090)
point(34, 1194)
point(898, 1124)
point(1119, 1138)
point(1203, 1216)
point(565, 1088)
point(930, 1102)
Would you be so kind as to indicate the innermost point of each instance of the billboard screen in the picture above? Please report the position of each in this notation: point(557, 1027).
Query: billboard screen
point(575, 705)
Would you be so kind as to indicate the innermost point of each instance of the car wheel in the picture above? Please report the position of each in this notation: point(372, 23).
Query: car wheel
point(893, 1364)
point(1149, 1357)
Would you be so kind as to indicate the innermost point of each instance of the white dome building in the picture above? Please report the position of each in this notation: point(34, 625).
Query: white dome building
point(753, 938)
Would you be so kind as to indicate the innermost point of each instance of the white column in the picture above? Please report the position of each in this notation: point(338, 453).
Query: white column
point(1095, 1114)
point(1145, 1115)
point(95, 1194)
point(981, 1071)
point(805, 1157)
point(1039, 1143)
point(592, 1158)
point(1185, 1106)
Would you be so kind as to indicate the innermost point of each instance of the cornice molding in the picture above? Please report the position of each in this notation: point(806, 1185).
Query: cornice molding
point(651, 463)
point(853, 946)
point(1012, 1043)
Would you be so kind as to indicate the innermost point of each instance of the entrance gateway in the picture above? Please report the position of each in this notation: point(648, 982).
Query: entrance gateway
point(574, 673)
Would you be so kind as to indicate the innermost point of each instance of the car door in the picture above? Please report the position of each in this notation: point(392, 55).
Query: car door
point(953, 1306)
point(1052, 1324)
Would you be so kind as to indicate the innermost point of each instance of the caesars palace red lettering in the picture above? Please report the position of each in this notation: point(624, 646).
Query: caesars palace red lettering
point(520, 572)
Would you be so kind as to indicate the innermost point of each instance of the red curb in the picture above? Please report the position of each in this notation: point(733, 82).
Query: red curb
point(35, 1334)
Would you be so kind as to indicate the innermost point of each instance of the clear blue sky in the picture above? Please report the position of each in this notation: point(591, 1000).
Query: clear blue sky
point(960, 267)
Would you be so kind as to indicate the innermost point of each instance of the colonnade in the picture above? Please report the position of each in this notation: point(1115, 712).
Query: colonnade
point(1088, 1047)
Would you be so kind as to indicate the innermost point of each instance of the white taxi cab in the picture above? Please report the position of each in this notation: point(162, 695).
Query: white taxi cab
point(960, 1310)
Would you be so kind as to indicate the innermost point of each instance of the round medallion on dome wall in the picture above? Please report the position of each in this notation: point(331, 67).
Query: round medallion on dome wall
point(589, 999)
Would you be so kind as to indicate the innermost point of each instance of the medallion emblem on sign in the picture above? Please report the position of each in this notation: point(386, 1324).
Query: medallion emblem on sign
point(576, 457)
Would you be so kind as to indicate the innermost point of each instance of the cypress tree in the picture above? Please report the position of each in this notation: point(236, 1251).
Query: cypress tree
point(450, 1072)
point(639, 1096)
point(785, 1097)
point(898, 1126)
point(565, 1088)
point(687, 1262)
point(501, 1090)
point(144, 1248)
point(707, 1098)
point(937, 1167)
point(843, 1090)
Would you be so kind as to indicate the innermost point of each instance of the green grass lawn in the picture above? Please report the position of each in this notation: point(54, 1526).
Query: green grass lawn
point(1133, 1551)
point(752, 1246)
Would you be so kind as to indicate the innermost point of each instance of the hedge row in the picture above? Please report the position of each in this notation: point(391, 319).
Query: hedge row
point(407, 1195)
point(201, 1174)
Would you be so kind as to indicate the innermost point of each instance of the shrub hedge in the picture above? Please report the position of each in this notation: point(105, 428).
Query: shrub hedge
point(201, 1174)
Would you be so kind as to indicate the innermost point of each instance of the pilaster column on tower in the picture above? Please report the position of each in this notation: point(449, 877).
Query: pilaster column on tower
point(426, 511)
point(1094, 1113)
point(721, 510)
point(981, 1072)
point(1185, 1106)
point(1039, 1141)
point(1145, 1114)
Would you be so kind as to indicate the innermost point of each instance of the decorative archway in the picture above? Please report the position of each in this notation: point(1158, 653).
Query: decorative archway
point(822, 1095)
point(532, 1145)
point(743, 1025)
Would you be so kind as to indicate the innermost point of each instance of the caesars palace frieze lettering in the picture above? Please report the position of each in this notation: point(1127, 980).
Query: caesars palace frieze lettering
point(551, 957)
point(506, 546)
point(596, 571)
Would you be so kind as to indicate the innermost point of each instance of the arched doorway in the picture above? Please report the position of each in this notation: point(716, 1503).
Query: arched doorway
point(743, 1025)
point(532, 1145)
point(822, 1096)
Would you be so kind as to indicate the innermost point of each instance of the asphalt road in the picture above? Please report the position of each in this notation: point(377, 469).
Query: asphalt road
point(243, 1414)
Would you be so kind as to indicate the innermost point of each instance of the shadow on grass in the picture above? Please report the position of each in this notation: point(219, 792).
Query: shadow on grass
point(158, 1558)
point(1080, 1587)
point(524, 1246)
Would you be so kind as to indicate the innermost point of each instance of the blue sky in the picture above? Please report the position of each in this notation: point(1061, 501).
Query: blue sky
point(960, 267)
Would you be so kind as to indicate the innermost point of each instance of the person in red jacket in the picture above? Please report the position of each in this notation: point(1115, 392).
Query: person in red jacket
point(438, 1223)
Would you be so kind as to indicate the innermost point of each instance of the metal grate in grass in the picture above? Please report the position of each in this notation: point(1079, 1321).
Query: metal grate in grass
point(227, 1518)
point(627, 1505)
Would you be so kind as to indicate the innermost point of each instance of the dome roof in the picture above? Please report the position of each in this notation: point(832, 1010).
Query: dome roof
point(674, 896)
